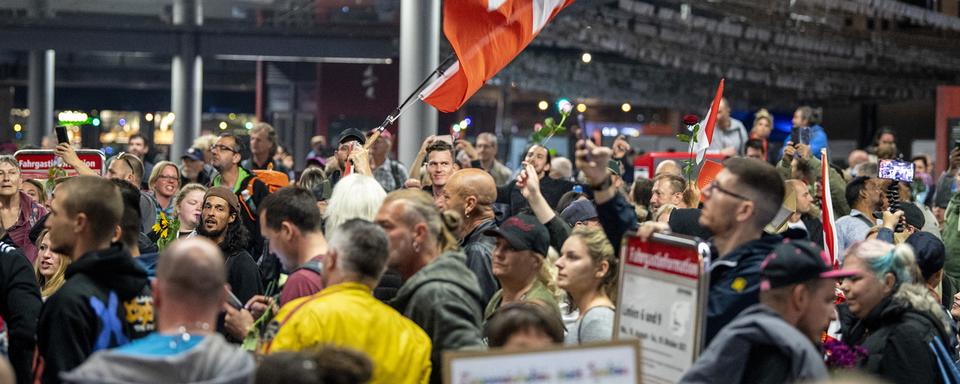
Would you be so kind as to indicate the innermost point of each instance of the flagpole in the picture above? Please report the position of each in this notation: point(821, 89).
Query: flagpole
point(406, 104)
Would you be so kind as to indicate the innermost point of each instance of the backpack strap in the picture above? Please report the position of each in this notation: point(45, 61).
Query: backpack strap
point(395, 171)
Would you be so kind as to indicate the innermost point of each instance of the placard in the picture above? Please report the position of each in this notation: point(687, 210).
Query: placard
point(36, 163)
point(661, 301)
point(613, 362)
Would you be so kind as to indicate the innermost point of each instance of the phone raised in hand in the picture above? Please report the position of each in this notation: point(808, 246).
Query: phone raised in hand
point(896, 170)
point(62, 136)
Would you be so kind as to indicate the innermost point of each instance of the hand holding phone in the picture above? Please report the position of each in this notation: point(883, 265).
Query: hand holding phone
point(62, 136)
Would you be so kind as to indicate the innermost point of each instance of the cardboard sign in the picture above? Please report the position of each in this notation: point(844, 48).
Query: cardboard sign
point(596, 363)
point(661, 301)
point(36, 163)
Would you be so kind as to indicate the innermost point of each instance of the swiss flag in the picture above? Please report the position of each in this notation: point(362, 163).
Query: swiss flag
point(486, 35)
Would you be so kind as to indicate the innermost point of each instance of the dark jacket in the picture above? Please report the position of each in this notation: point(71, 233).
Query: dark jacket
point(105, 302)
point(20, 308)
point(444, 299)
point(479, 251)
point(735, 282)
point(551, 189)
point(896, 335)
point(243, 275)
point(617, 217)
point(758, 328)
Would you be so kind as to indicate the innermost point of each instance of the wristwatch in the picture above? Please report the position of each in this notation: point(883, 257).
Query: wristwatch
point(607, 182)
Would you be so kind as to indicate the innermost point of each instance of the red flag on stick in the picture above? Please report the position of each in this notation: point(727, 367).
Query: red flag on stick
point(830, 240)
point(705, 135)
point(486, 35)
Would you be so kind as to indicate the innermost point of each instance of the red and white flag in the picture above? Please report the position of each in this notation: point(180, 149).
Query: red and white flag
point(830, 240)
point(486, 35)
point(705, 135)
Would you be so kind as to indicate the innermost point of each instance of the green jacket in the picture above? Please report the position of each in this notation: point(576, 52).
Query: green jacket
point(537, 293)
point(951, 238)
point(838, 185)
point(444, 299)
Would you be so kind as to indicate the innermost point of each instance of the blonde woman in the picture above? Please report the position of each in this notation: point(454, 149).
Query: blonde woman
point(587, 271)
point(164, 183)
point(49, 267)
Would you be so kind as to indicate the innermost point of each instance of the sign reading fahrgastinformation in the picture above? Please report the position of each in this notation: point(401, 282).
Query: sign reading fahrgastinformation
point(597, 363)
point(36, 163)
point(661, 302)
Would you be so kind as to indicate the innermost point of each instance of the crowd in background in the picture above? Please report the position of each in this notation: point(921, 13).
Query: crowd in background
point(230, 266)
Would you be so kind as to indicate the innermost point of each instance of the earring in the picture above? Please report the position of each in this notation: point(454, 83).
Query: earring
point(416, 247)
point(466, 214)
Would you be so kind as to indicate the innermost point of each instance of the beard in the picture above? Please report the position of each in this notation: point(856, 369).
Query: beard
point(212, 234)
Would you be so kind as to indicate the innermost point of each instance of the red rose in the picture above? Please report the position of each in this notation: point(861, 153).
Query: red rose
point(691, 119)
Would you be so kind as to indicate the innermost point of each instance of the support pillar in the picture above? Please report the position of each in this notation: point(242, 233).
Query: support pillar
point(419, 51)
point(186, 79)
point(40, 95)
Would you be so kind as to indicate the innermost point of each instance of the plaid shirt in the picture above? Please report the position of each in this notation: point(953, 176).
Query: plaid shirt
point(385, 175)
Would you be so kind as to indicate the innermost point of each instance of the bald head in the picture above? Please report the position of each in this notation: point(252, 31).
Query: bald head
point(475, 182)
point(192, 270)
point(668, 167)
point(857, 157)
point(470, 189)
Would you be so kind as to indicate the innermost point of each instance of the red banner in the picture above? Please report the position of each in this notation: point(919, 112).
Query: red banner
point(658, 256)
point(36, 163)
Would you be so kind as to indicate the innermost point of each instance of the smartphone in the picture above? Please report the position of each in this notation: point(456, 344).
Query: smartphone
point(956, 144)
point(447, 138)
point(805, 136)
point(896, 170)
point(795, 135)
point(62, 134)
point(233, 300)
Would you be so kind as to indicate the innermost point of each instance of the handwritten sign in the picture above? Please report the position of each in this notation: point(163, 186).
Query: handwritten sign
point(597, 363)
point(661, 302)
point(36, 163)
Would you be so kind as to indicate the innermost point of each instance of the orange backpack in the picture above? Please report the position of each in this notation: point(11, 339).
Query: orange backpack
point(274, 180)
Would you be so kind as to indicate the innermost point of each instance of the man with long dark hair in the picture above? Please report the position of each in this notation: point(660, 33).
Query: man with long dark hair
point(220, 222)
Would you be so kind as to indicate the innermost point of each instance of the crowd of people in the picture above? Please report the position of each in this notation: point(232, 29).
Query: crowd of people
point(229, 266)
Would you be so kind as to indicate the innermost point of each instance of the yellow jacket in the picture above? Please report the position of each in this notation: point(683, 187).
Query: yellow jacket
point(347, 315)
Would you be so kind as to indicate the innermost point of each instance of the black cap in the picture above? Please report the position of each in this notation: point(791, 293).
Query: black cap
point(913, 215)
point(929, 251)
point(352, 134)
point(524, 233)
point(794, 262)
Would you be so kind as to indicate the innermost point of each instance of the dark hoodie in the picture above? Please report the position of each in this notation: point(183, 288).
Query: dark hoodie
point(735, 282)
point(105, 302)
point(19, 308)
point(444, 299)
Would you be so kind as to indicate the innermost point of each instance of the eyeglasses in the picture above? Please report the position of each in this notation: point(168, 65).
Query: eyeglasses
point(221, 147)
point(716, 186)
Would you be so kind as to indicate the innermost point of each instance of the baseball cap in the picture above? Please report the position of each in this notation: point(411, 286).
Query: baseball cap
point(524, 233)
point(352, 133)
point(193, 153)
point(580, 210)
point(929, 251)
point(913, 215)
point(796, 261)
